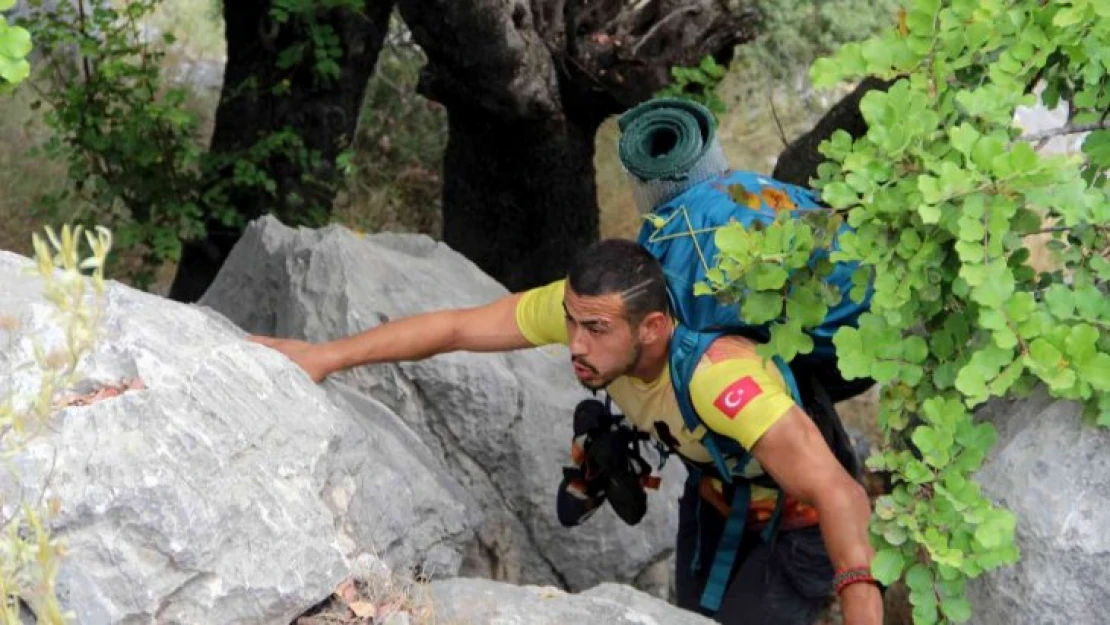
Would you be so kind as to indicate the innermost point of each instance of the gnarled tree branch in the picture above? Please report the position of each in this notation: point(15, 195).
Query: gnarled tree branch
point(1067, 129)
point(798, 162)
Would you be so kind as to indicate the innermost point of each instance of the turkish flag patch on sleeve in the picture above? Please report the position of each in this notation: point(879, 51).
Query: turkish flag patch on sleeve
point(737, 395)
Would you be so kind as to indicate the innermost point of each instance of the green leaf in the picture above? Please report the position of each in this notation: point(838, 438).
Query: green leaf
point(884, 370)
point(839, 195)
point(14, 71)
point(895, 534)
point(877, 54)
point(734, 240)
point(1068, 17)
point(6, 4)
point(971, 228)
point(787, 341)
point(885, 508)
point(917, 472)
point(762, 307)
point(850, 357)
point(1022, 157)
point(1025, 221)
point(1060, 301)
point(15, 42)
point(806, 306)
point(919, 578)
point(997, 285)
point(887, 565)
point(933, 445)
point(1097, 146)
point(981, 437)
point(963, 137)
point(924, 607)
point(1045, 355)
point(996, 530)
point(983, 367)
point(931, 190)
point(958, 609)
point(1007, 378)
point(916, 349)
point(1020, 306)
point(767, 276)
point(1096, 372)
point(1081, 343)
point(1103, 410)
point(1091, 303)
point(986, 150)
point(930, 213)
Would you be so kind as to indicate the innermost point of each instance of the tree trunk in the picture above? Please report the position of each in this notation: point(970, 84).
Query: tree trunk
point(526, 84)
point(291, 123)
point(521, 227)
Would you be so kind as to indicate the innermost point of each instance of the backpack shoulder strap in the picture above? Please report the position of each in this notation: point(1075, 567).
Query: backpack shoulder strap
point(686, 349)
point(791, 382)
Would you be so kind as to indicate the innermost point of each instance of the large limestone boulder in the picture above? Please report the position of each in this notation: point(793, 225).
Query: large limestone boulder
point(390, 598)
point(500, 423)
point(464, 600)
point(229, 488)
point(1053, 471)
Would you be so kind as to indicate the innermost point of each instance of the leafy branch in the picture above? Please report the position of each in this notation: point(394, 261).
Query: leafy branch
point(941, 195)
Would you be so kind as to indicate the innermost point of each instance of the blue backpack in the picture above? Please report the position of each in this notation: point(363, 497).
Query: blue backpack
point(684, 244)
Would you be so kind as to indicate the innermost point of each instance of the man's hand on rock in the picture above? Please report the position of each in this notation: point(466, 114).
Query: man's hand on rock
point(314, 359)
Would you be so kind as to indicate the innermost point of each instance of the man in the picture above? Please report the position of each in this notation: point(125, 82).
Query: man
point(612, 312)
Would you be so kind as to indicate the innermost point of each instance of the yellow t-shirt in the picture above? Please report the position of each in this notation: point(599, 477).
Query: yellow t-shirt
point(734, 392)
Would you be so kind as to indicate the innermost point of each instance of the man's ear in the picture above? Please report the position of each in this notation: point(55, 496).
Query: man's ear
point(654, 327)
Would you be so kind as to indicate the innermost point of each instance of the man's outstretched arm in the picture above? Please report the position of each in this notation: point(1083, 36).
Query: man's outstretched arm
point(487, 328)
point(795, 454)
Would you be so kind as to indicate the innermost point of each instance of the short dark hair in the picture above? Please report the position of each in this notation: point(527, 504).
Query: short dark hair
point(623, 267)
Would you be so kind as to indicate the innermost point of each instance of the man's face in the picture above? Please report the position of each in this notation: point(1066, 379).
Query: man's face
point(603, 343)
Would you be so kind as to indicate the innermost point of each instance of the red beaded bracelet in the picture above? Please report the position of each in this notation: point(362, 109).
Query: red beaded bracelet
point(848, 577)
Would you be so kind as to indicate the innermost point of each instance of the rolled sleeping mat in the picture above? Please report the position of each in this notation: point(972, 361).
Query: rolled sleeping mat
point(667, 145)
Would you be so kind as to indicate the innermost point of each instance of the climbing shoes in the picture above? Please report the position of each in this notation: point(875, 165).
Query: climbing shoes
point(607, 466)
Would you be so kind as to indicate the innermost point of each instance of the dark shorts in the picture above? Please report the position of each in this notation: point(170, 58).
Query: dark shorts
point(786, 581)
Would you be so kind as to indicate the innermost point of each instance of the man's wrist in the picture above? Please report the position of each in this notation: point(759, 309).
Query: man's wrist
point(334, 356)
point(858, 590)
point(852, 576)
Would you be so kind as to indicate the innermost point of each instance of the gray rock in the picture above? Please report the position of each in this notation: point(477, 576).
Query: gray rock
point(484, 601)
point(397, 618)
point(661, 611)
point(1052, 470)
point(657, 579)
point(500, 423)
point(388, 495)
point(231, 489)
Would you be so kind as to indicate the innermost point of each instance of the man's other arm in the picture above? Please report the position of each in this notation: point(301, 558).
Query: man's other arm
point(740, 399)
point(795, 454)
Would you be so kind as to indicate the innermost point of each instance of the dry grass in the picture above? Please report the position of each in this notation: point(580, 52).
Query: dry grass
point(376, 597)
